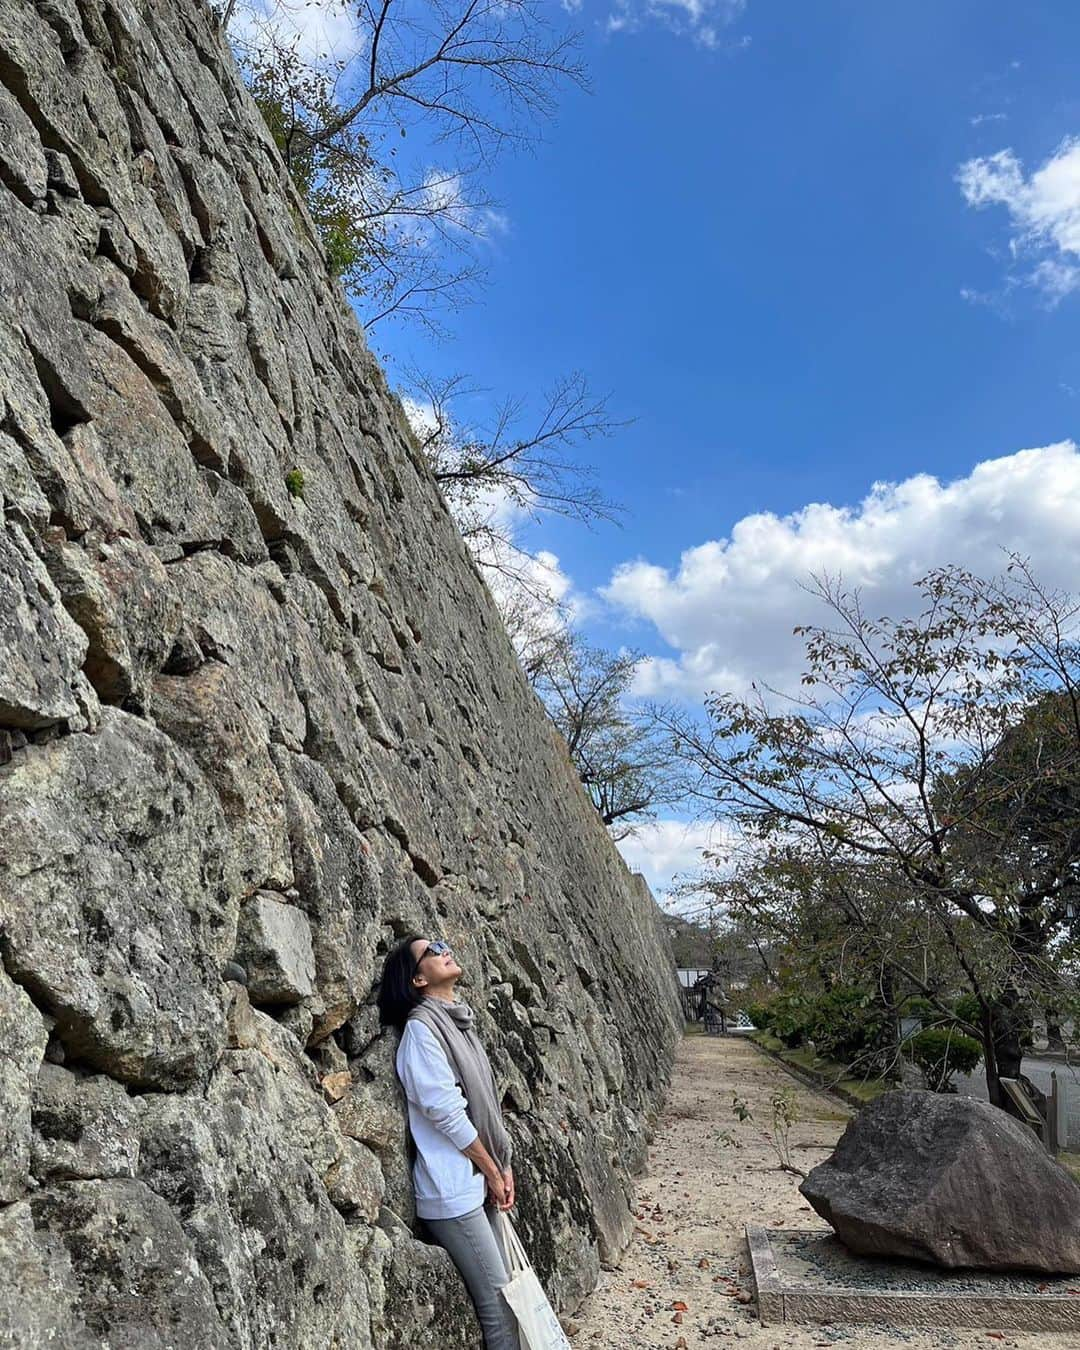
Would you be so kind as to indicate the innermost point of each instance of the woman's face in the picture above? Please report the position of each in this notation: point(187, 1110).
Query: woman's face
point(437, 967)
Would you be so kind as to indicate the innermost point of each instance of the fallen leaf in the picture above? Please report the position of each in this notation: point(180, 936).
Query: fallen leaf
point(677, 1319)
point(679, 1306)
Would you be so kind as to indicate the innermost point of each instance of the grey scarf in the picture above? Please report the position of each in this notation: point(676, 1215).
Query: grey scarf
point(452, 1025)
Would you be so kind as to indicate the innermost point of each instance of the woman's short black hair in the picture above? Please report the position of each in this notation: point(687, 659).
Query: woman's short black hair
point(397, 994)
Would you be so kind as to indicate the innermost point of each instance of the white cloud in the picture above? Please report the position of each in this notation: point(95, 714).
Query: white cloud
point(729, 609)
point(704, 21)
point(1044, 211)
point(663, 850)
point(322, 33)
point(1056, 279)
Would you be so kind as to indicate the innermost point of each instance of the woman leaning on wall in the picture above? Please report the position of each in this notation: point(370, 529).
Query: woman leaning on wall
point(462, 1175)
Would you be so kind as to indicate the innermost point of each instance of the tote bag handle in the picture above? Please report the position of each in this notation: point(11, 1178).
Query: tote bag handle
point(513, 1251)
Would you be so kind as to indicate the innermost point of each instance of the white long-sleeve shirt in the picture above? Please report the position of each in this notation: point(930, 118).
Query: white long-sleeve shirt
point(445, 1181)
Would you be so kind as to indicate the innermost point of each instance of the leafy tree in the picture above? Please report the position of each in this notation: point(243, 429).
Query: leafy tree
point(909, 790)
point(622, 758)
point(691, 944)
point(467, 76)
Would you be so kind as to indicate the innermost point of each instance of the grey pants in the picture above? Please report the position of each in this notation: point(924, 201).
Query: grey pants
point(476, 1251)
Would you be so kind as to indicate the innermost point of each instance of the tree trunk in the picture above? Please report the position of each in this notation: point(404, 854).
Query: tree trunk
point(1055, 1040)
point(1007, 1026)
point(889, 1049)
point(990, 1066)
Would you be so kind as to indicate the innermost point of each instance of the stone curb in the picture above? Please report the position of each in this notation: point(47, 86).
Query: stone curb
point(819, 1081)
point(794, 1302)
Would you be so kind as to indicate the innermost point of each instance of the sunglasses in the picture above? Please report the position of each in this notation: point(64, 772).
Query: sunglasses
point(435, 949)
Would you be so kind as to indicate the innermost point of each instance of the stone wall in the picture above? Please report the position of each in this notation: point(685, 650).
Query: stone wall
point(244, 727)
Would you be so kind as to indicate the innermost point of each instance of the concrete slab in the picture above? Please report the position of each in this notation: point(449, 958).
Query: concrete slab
point(809, 1276)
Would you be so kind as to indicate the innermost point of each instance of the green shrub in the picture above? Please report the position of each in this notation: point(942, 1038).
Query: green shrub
point(941, 1052)
point(845, 1022)
point(759, 1014)
point(788, 1019)
point(968, 1009)
point(294, 481)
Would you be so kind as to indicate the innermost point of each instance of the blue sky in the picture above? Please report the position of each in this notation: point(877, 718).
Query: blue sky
point(761, 251)
point(827, 257)
point(799, 258)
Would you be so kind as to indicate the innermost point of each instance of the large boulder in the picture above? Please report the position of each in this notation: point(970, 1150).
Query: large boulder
point(951, 1181)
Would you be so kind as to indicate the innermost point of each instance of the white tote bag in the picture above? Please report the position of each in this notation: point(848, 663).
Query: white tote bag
point(539, 1327)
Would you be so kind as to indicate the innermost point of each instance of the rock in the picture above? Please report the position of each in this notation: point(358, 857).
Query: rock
point(338, 884)
point(948, 1180)
point(23, 1035)
point(335, 1085)
point(137, 1280)
point(423, 1304)
point(245, 1171)
point(43, 647)
point(215, 718)
point(373, 1114)
point(21, 151)
point(273, 944)
point(299, 1019)
point(85, 1127)
point(355, 1182)
point(38, 1291)
point(116, 895)
point(121, 597)
point(242, 1034)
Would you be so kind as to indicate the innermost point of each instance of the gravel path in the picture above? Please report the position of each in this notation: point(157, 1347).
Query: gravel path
point(680, 1278)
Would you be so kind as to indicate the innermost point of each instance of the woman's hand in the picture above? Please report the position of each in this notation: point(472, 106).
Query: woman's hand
point(496, 1190)
point(508, 1182)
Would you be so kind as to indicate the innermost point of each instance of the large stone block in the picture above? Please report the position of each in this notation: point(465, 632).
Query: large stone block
point(38, 1291)
point(23, 1037)
point(85, 1127)
point(273, 944)
point(43, 647)
point(120, 595)
point(247, 1171)
point(118, 901)
point(138, 1284)
point(948, 1180)
point(339, 888)
point(213, 715)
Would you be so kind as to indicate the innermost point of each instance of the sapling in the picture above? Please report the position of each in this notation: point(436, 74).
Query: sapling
point(785, 1113)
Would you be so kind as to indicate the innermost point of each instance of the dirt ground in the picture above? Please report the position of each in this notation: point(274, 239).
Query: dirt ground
point(679, 1281)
